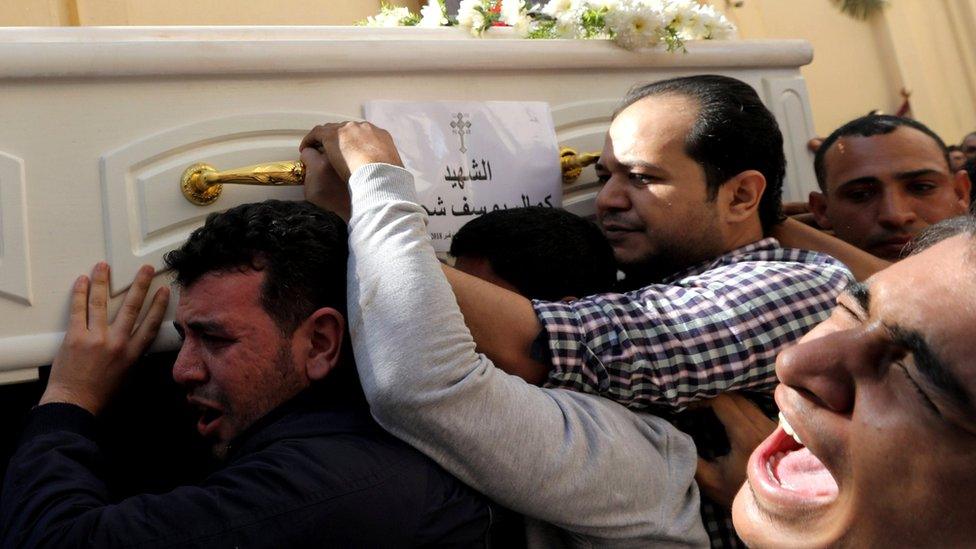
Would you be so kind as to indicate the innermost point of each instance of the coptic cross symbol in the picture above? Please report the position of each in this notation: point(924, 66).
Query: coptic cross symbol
point(461, 128)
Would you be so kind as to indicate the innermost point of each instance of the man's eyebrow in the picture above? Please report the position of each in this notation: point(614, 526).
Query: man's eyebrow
point(866, 180)
point(860, 292)
point(927, 361)
point(929, 364)
point(206, 326)
point(643, 164)
point(902, 176)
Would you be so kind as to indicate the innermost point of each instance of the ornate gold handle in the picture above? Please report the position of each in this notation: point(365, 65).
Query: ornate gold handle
point(572, 163)
point(202, 183)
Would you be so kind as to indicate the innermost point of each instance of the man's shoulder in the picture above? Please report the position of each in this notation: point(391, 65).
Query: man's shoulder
point(766, 262)
point(324, 458)
point(340, 440)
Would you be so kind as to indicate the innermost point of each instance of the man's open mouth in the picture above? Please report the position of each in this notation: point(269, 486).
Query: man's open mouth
point(785, 473)
point(208, 420)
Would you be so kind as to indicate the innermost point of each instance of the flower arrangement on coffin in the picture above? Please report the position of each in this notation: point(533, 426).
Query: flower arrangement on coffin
point(631, 24)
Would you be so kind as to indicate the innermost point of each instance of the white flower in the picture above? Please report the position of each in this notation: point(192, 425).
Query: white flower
point(567, 27)
point(557, 8)
point(693, 26)
point(636, 25)
point(434, 14)
point(470, 17)
point(677, 14)
point(515, 14)
point(390, 17)
point(714, 25)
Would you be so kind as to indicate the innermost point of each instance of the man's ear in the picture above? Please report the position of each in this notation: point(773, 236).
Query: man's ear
point(326, 329)
point(743, 192)
point(818, 207)
point(962, 185)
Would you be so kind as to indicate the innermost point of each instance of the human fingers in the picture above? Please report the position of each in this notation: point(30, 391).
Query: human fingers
point(335, 153)
point(78, 309)
point(319, 135)
point(363, 143)
point(314, 160)
point(125, 319)
point(145, 333)
point(98, 298)
point(313, 139)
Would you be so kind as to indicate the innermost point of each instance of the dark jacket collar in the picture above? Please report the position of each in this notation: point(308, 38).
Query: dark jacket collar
point(316, 411)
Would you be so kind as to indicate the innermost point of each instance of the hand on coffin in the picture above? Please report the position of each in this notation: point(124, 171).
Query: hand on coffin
point(323, 187)
point(351, 145)
point(746, 426)
point(96, 354)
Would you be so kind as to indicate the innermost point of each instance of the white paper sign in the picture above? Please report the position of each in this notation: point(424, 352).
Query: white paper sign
point(469, 158)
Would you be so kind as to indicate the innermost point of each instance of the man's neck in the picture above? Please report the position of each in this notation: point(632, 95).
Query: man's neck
point(742, 234)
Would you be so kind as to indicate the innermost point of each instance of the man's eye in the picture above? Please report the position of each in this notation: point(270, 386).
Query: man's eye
point(922, 187)
point(641, 178)
point(215, 340)
point(858, 195)
point(925, 398)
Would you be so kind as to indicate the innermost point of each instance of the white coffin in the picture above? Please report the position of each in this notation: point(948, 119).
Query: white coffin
point(98, 124)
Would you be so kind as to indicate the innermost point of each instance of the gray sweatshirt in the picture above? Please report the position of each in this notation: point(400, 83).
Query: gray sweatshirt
point(585, 471)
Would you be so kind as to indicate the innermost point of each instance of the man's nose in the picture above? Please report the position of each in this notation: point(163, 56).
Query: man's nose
point(188, 368)
point(896, 210)
point(612, 196)
point(828, 368)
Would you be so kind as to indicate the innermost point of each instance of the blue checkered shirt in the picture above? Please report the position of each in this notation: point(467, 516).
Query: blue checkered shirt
point(712, 328)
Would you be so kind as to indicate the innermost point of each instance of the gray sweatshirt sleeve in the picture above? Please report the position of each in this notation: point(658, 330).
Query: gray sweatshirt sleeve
point(580, 462)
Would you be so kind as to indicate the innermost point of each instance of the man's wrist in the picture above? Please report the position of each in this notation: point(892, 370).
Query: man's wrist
point(62, 395)
point(58, 417)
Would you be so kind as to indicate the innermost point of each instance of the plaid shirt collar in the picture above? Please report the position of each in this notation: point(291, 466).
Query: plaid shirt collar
point(766, 249)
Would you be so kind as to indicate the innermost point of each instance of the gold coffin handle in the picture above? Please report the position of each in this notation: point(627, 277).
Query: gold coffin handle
point(202, 183)
point(572, 163)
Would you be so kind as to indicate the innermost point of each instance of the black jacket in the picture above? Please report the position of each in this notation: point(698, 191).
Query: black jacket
point(310, 474)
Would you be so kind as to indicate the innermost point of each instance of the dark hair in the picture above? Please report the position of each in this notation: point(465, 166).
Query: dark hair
point(301, 249)
point(943, 230)
point(545, 253)
point(953, 148)
point(970, 167)
point(734, 132)
point(869, 126)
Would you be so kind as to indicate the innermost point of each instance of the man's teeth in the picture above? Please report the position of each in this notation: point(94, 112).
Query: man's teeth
point(789, 429)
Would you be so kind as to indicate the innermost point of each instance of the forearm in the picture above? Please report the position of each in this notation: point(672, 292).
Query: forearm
point(668, 346)
point(502, 323)
point(580, 462)
point(50, 481)
point(794, 234)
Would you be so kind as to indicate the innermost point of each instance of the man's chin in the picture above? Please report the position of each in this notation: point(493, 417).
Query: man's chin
point(761, 527)
point(754, 525)
point(219, 450)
